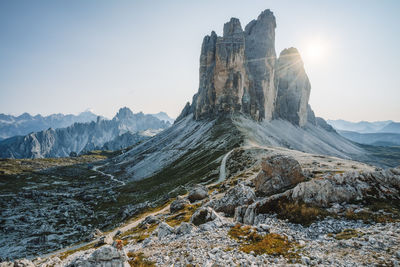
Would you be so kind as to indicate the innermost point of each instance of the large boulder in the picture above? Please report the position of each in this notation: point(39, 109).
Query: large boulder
point(349, 187)
point(198, 192)
point(178, 205)
point(105, 256)
point(278, 173)
point(332, 189)
point(237, 196)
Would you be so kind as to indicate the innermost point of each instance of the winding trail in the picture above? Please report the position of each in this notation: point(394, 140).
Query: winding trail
point(123, 228)
point(222, 169)
point(112, 177)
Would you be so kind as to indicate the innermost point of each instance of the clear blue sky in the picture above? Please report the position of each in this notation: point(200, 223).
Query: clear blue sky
point(67, 56)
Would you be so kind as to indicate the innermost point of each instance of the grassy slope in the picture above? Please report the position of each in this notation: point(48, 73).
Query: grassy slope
point(195, 166)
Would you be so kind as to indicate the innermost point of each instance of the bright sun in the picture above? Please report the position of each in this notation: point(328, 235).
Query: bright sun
point(316, 51)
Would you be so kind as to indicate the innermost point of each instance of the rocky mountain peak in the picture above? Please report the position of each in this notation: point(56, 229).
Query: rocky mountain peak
point(290, 57)
point(124, 113)
point(240, 73)
point(293, 88)
point(232, 28)
point(267, 15)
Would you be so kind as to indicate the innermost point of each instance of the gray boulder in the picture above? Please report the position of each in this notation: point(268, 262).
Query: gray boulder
point(184, 229)
point(164, 230)
point(95, 234)
point(107, 239)
point(206, 214)
point(178, 205)
point(237, 196)
point(105, 256)
point(349, 187)
point(278, 173)
point(198, 192)
point(151, 219)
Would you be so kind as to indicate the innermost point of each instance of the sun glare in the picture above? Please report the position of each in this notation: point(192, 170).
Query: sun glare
point(316, 51)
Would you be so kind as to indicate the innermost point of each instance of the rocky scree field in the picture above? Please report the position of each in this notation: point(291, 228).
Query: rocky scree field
point(273, 209)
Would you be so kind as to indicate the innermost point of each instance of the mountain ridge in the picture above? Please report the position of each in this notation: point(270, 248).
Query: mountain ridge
point(25, 123)
point(81, 137)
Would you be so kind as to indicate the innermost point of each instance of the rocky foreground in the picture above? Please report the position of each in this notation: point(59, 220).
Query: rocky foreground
point(276, 211)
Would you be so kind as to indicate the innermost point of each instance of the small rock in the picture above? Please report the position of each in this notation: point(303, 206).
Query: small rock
point(207, 214)
point(164, 230)
point(305, 260)
point(397, 253)
point(150, 220)
point(184, 229)
point(107, 239)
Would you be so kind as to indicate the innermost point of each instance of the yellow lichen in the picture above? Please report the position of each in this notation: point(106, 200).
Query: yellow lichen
point(272, 244)
point(139, 260)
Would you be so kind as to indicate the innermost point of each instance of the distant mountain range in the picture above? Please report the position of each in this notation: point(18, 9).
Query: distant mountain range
point(163, 117)
point(24, 124)
point(366, 127)
point(378, 133)
point(123, 130)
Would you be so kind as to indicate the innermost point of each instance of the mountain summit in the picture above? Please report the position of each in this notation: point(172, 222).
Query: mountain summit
point(239, 72)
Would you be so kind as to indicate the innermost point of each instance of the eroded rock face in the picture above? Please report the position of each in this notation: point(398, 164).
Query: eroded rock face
point(237, 196)
point(278, 172)
point(330, 191)
point(293, 88)
point(239, 73)
point(349, 187)
point(236, 70)
point(259, 100)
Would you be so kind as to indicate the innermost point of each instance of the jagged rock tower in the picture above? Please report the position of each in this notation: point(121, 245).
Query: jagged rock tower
point(239, 72)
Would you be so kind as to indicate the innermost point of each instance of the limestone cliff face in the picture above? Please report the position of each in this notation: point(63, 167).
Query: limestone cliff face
point(236, 70)
point(239, 73)
point(293, 88)
point(222, 72)
point(260, 61)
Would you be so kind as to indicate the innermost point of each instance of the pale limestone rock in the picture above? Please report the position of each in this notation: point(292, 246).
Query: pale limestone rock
point(237, 196)
point(293, 88)
point(278, 172)
point(104, 256)
point(236, 70)
point(198, 192)
point(164, 230)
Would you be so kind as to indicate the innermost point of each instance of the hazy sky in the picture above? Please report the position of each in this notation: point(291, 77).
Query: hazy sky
point(67, 56)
